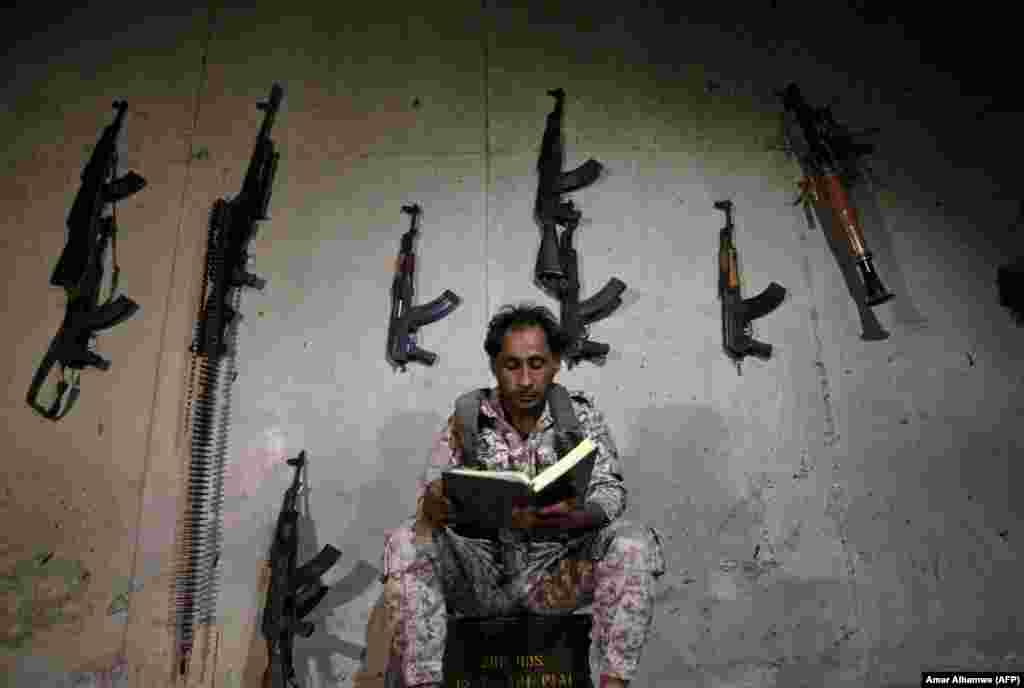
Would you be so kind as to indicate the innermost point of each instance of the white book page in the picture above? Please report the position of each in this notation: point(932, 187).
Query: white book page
point(511, 476)
point(555, 471)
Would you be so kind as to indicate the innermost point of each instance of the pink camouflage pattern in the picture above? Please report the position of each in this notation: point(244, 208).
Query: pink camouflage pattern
point(431, 573)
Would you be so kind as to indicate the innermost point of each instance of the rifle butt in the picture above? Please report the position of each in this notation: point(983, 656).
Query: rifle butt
point(402, 350)
point(761, 350)
point(418, 355)
point(745, 346)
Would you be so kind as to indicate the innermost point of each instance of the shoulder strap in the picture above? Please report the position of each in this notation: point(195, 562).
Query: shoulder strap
point(568, 431)
point(467, 410)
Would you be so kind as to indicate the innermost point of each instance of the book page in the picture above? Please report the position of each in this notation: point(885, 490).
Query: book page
point(511, 476)
point(555, 471)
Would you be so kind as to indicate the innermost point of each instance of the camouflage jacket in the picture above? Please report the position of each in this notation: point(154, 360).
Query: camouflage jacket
point(501, 447)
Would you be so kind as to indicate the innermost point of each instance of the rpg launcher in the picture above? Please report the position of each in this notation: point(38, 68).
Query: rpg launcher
point(826, 151)
point(737, 312)
point(557, 269)
point(79, 270)
point(406, 319)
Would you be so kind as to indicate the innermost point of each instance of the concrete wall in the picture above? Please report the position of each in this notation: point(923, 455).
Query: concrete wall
point(843, 514)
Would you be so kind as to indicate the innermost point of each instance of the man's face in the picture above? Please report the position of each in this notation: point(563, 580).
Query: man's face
point(524, 368)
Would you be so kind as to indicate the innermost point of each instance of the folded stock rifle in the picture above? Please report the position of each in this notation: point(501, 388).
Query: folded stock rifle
point(827, 152)
point(406, 319)
point(294, 590)
point(79, 270)
point(557, 268)
point(737, 312)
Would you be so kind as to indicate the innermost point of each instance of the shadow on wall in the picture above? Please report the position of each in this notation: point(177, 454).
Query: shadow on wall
point(676, 455)
point(403, 445)
point(380, 506)
point(672, 479)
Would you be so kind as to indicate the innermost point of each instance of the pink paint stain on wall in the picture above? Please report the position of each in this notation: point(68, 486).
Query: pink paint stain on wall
point(247, 470)
point(244, 471)
point(115, 677)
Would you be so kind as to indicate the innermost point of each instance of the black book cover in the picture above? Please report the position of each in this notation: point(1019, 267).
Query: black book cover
point(485, 499)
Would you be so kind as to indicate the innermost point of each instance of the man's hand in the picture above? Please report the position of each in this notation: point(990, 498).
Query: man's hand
point(562, 507)
point(457, 436)
point(568, 515)
point(523, 518)
point(528, 519)
point(436, 508)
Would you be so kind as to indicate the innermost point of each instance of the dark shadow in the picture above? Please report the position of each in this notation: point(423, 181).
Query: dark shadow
point(670, 467)
point(321, 645)
point(672, 485)
point(403, 442)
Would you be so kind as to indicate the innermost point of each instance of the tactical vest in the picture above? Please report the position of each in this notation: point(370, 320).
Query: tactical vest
point(568, 431)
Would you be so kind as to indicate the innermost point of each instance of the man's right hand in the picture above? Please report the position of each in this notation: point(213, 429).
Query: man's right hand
point(457, 436)
point(523, 518)
point(437, 508)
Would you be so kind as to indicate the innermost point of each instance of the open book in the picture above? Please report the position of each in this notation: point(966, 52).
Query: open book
point(484, 499)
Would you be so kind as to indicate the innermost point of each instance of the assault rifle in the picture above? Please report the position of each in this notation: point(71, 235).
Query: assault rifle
point(232, 226)
point(406, 319)
point(79, 271)
point(737, 312)
point(557, 269)
point(294, 591)
point(827, 152)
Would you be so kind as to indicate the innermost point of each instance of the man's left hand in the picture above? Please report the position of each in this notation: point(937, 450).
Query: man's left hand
point(565, 515)
point(562, 507)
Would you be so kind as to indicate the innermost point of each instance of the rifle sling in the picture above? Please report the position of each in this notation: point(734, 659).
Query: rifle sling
point(567, 425)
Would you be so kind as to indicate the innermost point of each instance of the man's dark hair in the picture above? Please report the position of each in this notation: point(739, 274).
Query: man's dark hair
point(524, 315)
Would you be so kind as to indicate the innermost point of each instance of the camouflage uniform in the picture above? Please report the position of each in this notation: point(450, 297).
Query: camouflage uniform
point(612, 567)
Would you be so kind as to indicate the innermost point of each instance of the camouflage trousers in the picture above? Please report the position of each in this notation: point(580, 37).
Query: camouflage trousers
point(433, 573)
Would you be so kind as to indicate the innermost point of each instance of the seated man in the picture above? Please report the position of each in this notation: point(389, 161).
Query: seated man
point(551, 561)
